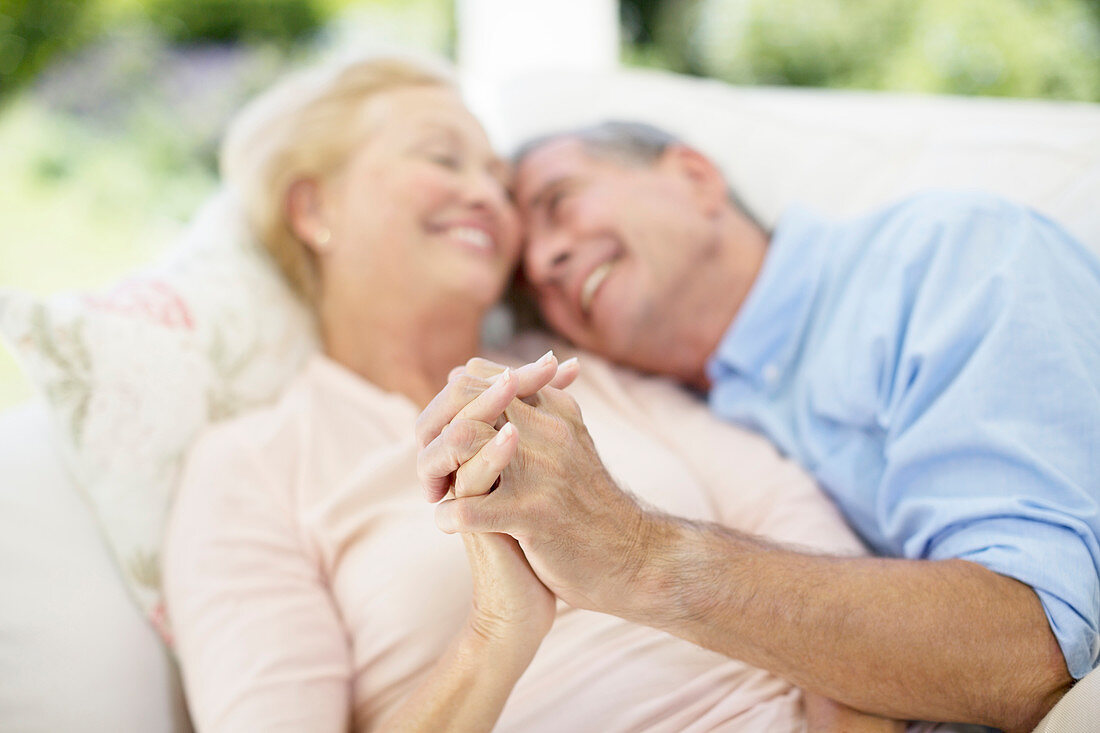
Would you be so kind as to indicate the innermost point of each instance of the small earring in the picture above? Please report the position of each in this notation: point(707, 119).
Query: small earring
point(323, 237)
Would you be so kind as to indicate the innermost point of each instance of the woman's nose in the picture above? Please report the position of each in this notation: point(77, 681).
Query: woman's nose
point(483, 188)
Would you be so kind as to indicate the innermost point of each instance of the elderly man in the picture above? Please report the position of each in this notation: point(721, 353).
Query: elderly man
point(936, 365)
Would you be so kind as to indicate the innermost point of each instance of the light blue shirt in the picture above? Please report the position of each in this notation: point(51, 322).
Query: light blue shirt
point(936, 365)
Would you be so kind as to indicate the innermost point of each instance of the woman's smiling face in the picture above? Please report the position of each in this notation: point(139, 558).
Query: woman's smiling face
point(421, 205)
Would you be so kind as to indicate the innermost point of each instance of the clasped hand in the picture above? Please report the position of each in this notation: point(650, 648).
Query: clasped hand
point(554, 522)
point(511, 454)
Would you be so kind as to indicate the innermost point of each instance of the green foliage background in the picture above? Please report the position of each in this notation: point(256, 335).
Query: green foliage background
point(31, 32)
point(196, 21)
point(111, 112)
point(1017, 48)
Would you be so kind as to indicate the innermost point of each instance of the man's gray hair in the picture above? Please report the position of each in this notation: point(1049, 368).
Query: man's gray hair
point(629, 143)
point(626, 143)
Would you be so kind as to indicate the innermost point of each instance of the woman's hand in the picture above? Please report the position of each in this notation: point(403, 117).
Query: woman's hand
point(509, 600)
point(474, 398)
point(510, 604)
point(512, 610)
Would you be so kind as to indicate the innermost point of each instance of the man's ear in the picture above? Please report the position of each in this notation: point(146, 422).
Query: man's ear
point(305, 214)
point(707, 183)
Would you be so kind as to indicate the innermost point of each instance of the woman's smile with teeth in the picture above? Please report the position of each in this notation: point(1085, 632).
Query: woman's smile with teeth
point(472, 235)
point(592, 284)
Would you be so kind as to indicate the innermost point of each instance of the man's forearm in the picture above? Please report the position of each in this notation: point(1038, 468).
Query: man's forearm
point(946, 640)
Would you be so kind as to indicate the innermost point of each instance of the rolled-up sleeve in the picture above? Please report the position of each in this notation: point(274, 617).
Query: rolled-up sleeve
point(992, 419)
point(1065, 583)
point(979, 504)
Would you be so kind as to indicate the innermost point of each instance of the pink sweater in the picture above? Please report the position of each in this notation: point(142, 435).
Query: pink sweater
point(309, 589)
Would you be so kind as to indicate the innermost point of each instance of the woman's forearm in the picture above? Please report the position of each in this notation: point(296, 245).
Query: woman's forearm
point(468, 686)
point(511, 612)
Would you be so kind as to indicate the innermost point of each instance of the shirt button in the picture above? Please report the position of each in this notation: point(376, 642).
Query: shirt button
point(771, 374)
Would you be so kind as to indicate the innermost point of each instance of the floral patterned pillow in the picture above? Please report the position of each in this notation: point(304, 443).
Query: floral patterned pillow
point(133, 375)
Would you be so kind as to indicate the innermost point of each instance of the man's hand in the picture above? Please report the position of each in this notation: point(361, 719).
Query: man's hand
point(584, 537)
point(469, 409)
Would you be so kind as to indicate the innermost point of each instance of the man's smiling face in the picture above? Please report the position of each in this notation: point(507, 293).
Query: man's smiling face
point(611, 246)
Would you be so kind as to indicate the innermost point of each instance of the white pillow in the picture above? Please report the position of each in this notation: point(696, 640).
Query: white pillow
point(132, 375)
point(840, 152)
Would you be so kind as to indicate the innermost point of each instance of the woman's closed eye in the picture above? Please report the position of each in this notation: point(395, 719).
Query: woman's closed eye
point(445, 158)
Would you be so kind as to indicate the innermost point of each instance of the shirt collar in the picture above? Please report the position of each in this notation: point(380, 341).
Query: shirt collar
point(766, 332)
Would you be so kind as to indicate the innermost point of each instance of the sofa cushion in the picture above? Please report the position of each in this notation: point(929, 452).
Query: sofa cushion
point(1078, 711)
point(841, 152)
point(75, 652)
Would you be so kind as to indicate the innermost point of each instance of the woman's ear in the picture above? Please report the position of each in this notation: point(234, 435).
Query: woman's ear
point(708, 185)
point(305, 214)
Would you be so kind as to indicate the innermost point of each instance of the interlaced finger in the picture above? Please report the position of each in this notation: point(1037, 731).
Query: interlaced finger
point(460, 391)
point(459, 442)
point(530, 378)
point(488, 406)
point(478, 475)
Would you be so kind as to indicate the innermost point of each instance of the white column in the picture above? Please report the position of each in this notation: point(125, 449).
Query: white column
point(502, 38)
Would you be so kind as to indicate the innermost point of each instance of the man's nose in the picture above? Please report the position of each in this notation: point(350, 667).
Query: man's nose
point(547, 257)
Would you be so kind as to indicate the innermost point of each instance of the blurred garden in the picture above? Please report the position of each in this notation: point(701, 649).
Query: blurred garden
point(111, 110)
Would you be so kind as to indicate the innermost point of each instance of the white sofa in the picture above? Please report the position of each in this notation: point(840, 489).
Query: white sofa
point(74, 652)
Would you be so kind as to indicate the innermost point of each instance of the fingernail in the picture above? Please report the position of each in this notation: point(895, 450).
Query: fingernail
point(545, 358)
point(569, 363)
point(506, 432)
point(503, 380)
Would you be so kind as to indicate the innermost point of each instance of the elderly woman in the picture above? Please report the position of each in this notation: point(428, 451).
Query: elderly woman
point(307, 584)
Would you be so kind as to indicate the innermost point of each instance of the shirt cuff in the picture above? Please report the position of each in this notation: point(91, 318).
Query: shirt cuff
point(1053, 560)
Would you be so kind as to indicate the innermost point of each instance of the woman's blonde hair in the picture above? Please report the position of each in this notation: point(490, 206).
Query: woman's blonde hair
point(305, 127)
